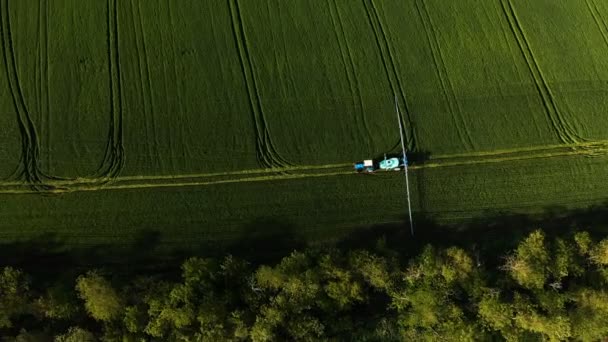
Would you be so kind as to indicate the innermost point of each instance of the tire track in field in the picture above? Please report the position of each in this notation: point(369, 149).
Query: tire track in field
point(593, 149)
point(267, 154)
point(166, 66)
point(410, 135)
point(148, 83)
point(39, 72)
point(561, 126)
point(16, 96)
point(44, 99)
point(267, 175)
point(349, 69)
point(29, 168)
point(20, 168)
point(59, 191)
point(140, 73)
point(390, 68)
point(114, 156)
point(565, 130)
point(240, 173)
point(598, 18)
point(47, 83)
point(442, 73)
point(289, 72)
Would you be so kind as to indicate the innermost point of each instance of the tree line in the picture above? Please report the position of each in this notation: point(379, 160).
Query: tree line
point(546, 289)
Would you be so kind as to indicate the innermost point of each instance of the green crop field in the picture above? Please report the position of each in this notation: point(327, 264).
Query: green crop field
point(206, 120)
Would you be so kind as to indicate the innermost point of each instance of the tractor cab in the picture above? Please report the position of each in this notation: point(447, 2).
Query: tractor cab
point(390, 164)
point(365, 166)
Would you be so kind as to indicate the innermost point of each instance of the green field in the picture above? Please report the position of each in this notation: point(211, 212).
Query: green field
point(203, 118)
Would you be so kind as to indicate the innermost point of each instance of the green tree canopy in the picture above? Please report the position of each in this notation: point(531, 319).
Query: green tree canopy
point(548, 289)
point(101, 300)
point(14, 296)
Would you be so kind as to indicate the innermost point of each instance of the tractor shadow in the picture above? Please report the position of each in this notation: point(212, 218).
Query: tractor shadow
point(414, 158)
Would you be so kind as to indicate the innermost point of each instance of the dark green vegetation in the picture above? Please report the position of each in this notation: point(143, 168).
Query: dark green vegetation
point(199, 119)
point(547, 288)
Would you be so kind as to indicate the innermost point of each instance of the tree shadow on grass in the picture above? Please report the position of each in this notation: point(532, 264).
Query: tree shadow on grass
point(49, 253)
point(491, 236)
point(49, 256)
point(267, 240)
point(38, 253)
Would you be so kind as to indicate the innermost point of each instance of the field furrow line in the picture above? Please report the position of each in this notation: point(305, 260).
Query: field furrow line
point(388, 64)
point(598, 18)
point(383, 58)
point(344, 63)
point(351, 62)
point(408, 126)
point(354, 72)
point(120, 136)
point(349, 70)
point(516, 30)
point(180, 102)
point(379, 46)
point(164, 61)
point(563, 129)
point(273, 154)
point(39, 71)
point(260, 148)
point(47, 85)
point(148, 88)
point(140, 74)
point(444, 80)
point(285, 45)
point(566, 124)
point(267, 154)
point(40, 60)
point(107, 159)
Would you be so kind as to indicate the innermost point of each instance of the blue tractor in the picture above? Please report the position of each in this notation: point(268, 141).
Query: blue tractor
point(386, 164)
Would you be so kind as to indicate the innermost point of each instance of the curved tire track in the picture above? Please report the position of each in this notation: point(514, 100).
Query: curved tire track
point(114, 156)
point(29, 168)
point(599, 20)
point(267, 154)
point(563, 128)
